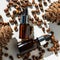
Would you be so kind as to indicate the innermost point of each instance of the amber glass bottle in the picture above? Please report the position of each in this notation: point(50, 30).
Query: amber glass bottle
point(24, 29)
point(28, 45)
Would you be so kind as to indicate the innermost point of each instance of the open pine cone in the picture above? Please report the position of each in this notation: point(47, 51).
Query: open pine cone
point(53, 13)
point(5, 35)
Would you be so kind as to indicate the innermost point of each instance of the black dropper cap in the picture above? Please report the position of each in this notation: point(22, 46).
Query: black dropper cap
point(42, 38)
point(24, 19)
point(25, 11)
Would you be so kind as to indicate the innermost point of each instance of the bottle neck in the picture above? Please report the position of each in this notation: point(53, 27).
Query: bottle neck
point(24, 19)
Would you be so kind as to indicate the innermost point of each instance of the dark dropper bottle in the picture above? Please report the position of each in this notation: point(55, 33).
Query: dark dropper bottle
point(24, 29)
point(28, 45)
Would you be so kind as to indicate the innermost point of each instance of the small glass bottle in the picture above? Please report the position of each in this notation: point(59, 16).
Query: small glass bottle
point(24, 29)
point(28, 45)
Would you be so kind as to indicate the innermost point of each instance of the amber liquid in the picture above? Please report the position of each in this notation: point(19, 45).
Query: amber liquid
point(24, 31)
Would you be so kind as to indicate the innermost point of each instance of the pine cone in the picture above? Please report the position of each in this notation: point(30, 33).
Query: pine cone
point(5, 35)
point(53, 13)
